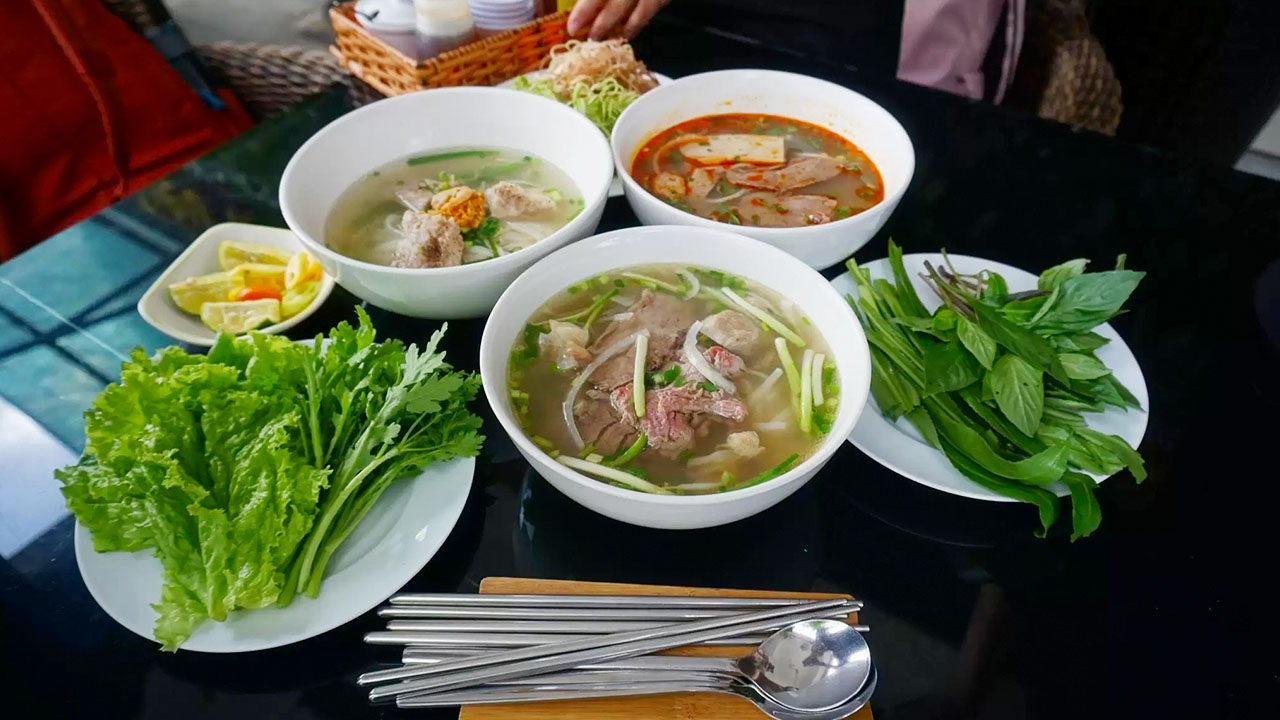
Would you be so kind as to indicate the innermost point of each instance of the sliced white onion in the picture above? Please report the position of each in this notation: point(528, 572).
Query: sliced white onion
point(765, 387)
point(772, 322)
point(770, 426)
point(818, 361)
point(713, 457)
point(694, 285)
point(700, 363)
point(623, 300)
point(626, 478)
point(567, 409)
point(727, 198)
point(695, 486)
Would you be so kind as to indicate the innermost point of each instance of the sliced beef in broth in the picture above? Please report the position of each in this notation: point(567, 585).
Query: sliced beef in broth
point(770, 210)
point(733, 330)
point(801, 172)
point(667, 318)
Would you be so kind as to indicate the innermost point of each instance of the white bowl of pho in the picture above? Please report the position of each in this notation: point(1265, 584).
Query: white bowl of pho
point(430, 204)
point(754, 371)
point(805, 165)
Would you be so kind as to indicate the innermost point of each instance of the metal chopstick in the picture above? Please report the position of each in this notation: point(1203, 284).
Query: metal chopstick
point(492, 641)
point(583, 627)
point(585, 601)
point(426, 612)
point(562, 655)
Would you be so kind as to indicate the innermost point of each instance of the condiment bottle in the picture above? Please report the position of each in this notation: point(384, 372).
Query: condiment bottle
point(442, 26)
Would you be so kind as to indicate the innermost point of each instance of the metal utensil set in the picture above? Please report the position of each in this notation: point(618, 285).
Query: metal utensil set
point(481, 649)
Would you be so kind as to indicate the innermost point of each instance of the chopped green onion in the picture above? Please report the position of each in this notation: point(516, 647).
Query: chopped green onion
point(707, 386)
point(772, 472)
point(818, 361)
point(586, 451)
point(793, 375)
point(684, 456)
point(594, 457)
point(653, 283)
point(424, 159)
point(542, 442)
point(770, 321)
point(726, 479)
point(637, 375)
point(629, 479)
point(630, 453)
point(806, 391)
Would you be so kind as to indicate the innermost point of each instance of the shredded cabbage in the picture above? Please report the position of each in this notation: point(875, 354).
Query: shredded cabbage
point(602, 101)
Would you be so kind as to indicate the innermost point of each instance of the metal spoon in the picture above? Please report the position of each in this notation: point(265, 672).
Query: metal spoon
point(506, 694)
point(811, 666)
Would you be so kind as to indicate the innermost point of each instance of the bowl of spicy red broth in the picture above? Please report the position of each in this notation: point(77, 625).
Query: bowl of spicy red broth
point(805, 165)
point(658, 282)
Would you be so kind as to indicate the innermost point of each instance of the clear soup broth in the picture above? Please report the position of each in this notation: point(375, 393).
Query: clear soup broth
point(739, 387)
point(451, 207)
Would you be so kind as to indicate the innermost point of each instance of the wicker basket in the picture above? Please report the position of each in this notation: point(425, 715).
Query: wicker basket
point(485, 62)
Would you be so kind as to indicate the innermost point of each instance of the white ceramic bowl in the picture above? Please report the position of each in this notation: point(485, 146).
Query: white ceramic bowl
point(400, 126)
point(827, 105)
point(201, 258)
point(711, 248)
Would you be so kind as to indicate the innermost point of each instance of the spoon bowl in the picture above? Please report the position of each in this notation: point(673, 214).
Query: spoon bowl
point(810, 666)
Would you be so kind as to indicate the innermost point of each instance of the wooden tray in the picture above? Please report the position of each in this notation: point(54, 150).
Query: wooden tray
point(685, 706)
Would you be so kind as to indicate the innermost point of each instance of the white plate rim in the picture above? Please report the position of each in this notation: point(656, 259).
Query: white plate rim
point(900, 449)
point(427, 532)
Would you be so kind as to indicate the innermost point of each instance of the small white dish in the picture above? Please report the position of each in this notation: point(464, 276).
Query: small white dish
point(844, 112)
point(399, 535)
point(615, 187)
point(457, 117)
point(899, 447)
point(201, 258)
point(708, 248)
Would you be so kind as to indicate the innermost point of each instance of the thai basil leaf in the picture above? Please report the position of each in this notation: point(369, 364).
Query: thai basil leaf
point(1117, 446)
point(1021, 311)
point(1019, 391)
point(1083, 367)
point(920, 325)
point(1089, 300)
point(1058, 274)
point(1100, 389)
point(1020, 341)
point(1128, 397)
point(947, 367)
point(996, 290)
point(1078, 342)
point(977, 342)
point(894, 394)
point(944, 320)
point(998, 422)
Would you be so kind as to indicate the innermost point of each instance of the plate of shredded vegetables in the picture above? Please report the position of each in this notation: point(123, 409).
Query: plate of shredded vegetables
point(597, 78)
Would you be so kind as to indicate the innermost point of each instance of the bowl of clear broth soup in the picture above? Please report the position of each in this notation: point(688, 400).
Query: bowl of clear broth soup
point(805, 165)
point(430, 204)
point(674, 376)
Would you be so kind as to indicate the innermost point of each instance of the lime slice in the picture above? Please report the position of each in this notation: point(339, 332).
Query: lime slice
point(191, 294)
point(301, 268)
point(297, 299)
point(240, 317)
point(234, 254)
point(261, 275)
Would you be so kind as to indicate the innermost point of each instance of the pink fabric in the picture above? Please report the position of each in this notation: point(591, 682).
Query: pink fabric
point(944, 43)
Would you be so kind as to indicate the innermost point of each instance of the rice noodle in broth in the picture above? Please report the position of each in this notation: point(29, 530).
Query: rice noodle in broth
point(718, 412)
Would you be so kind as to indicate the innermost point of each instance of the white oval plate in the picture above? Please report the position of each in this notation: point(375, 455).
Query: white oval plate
point(900, 448)
point(401, 532)
point(201, 258)
point(615, 188)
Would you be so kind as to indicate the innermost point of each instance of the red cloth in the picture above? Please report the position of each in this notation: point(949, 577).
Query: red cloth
point(89, 112)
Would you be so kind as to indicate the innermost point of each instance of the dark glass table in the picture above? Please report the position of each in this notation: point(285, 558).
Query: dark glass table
point(971, 615)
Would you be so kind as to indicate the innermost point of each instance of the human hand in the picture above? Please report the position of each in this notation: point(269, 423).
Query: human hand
point(606, 18)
